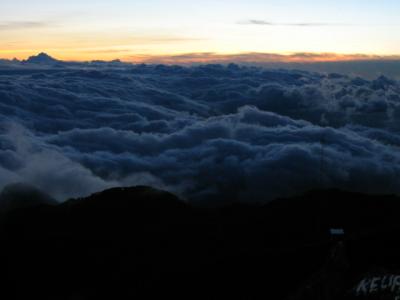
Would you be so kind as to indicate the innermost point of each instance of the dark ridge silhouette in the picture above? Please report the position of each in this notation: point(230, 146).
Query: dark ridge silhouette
point(20, 195)
point(142, 243)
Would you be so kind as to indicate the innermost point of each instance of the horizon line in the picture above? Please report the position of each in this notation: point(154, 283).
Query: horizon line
point(214, 57)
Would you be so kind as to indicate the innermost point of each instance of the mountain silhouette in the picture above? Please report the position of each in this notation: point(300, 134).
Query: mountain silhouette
point(42, 59)
point(20, 195)
point(139, 242)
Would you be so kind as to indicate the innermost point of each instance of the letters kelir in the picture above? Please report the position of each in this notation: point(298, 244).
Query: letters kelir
point(379, 285)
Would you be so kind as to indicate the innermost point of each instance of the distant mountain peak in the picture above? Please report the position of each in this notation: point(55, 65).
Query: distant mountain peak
point(41, 58)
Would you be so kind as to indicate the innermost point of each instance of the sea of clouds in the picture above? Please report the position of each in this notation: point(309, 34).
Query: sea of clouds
point(208, 133)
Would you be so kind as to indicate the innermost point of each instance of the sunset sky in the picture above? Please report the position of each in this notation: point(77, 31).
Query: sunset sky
point(134, 30)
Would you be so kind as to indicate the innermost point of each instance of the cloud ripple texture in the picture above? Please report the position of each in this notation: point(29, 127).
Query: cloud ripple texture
point(209, 133)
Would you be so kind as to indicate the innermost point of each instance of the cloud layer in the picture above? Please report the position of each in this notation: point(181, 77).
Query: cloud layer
point(368, 66)
point(22, 25)
point(211, 132)
point(303, 24)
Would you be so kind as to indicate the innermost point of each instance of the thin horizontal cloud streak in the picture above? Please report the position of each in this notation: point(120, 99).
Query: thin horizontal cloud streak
point(22, 25)
point(305, 24)
point(170, 39)
point(106, 50)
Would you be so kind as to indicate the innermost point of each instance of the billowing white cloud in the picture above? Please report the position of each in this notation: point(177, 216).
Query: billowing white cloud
point(206, 132)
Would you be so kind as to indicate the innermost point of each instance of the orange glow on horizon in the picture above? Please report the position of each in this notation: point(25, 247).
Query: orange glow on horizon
point(201, 57)
point(188, 58)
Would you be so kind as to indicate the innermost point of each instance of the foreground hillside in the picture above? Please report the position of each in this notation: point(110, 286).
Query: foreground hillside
point(141, 243)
